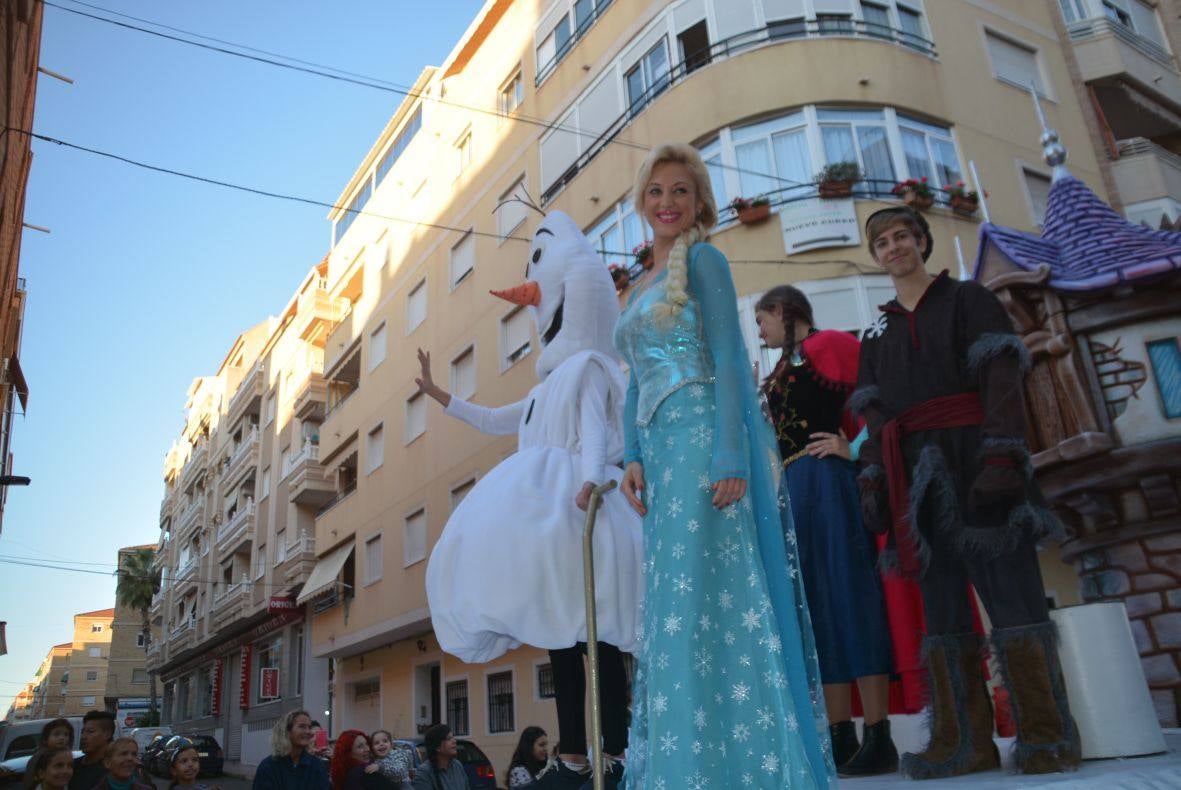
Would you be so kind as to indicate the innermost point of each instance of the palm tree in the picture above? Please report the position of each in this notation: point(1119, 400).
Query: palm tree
point(138, 582)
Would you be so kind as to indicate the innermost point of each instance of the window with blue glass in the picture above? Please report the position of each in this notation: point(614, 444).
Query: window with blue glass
point(353, 209)
point(399, 145)
point(1165, 356)
point(577, 17)
point(648, 77)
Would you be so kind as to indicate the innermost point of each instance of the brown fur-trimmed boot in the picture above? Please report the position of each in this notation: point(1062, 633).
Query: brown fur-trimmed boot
point(961, 714)
point(1047, 738)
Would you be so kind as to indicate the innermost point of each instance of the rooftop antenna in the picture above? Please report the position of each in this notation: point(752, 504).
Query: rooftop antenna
point(1053, 152)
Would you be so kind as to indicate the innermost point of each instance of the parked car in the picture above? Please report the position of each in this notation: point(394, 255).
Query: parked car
point(13, 771)
point(208, 750)
point(475, 763)
point(20, 739)
point(148, 754)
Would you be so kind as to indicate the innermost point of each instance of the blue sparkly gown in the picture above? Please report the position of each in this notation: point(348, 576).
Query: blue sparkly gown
point(727, 686)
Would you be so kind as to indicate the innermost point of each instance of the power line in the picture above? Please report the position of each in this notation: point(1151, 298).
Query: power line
point(297, 198)
point(308, 67)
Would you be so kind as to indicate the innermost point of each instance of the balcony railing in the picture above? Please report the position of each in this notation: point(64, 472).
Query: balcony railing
point(300, 559)
point(186, 625)
point(726, 48)
point(245, 454)
point(248, 389)
point(309, 452)
point(192, 514)
point(195, 464)
point(235, 526)
point(1102, 26)
point(546, 69)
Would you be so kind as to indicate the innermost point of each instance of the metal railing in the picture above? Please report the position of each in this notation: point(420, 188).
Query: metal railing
point(1093, 28)
point(235, 522)
point(1138, 146)
point(309, 452)
point(551, 65)
point(244, 447)
point(342, 494)
point(726, 48)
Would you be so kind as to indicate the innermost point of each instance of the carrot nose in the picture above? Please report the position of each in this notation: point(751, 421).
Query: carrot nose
point(527, 293)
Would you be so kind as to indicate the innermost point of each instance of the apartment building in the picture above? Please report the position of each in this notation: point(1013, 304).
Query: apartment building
point(557, 101)
point(21, 708)
point(127, 672)
point(86, 676)
point(49, 698)
point(242, 486)
point(1123, 53)
point(20, 32)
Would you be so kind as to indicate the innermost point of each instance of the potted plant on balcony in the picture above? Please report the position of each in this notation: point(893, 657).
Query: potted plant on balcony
point(962, 200)
point(836, 180)
point(751, 210)
point(643, 254)
point(620, 276)
point(915, 193)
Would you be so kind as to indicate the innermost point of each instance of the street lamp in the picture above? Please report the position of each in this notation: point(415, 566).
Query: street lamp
point(14, 480)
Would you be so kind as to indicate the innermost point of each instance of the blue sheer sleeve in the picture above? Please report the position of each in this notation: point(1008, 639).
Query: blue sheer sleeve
point(631, 438)
point(711, 284)
point(855, 445)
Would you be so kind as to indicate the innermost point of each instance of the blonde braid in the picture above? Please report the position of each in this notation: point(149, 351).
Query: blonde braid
point(676, 282)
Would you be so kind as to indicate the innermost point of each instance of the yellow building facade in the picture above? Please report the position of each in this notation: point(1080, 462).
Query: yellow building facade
point(49, 699)
point(89, 652)
point(310, 468)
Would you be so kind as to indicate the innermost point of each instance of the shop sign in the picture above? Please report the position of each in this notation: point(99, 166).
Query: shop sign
point(815, 223)
point(268, 683)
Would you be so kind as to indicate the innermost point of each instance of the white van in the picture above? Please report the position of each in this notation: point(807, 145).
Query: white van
point(20, 739)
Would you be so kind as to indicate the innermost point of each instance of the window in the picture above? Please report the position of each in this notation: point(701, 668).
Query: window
point(913, 31)
point(88, 702)
point(1165, 356)
point(618, 233)
point(694, 46)
point(204, 691)
point(463, 374)
point(859, 136)
point(515, 334)
point(647, 78)
point(403, 139)
point(778, 149)
point(94, 652)
point(500, 702)
point(1073, 10)
point(1144, 20)
point(375, 449)
point(96, 628)
point(1014, 63)
point(511, 94)
point(877, 20)
point(1037, 186)
point(414, 540)
point(460, 492)
point(280, 546)
point(457, 710)
point(415, 417)
point(139, 640)
point(545, 681)
point(834, 24)
point(373, 559)
point(139, 676)
point(930, 152)
point(553, 46)
point(270, 408)
point(416, 307)
point(267, 659)
point(377, 346)
point(463, 258)
point(92, 674)
point(566, 22)
point(266, 484)
point(260, 567)
point(463, 152)
point(511, 211)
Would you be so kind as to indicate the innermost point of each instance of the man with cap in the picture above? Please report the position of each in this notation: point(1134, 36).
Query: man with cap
point(947, 475)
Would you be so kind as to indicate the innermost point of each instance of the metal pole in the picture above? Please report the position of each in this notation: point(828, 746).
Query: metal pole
point(592, 630)
point(980, 191)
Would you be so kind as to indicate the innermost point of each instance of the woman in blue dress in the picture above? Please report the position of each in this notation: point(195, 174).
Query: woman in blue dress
point(727, 687)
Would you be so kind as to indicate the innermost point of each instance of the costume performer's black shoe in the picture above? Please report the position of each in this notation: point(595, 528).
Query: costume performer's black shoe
point(844, 741)
point(877, 754)
point(1047, 738)
point(961, 713)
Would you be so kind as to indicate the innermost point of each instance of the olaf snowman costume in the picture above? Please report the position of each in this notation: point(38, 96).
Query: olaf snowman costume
point(507, 569)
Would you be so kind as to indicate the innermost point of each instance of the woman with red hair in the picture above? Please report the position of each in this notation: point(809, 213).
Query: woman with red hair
point(349, 759)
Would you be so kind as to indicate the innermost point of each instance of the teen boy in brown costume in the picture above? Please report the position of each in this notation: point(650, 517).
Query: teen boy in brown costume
point(947, 473)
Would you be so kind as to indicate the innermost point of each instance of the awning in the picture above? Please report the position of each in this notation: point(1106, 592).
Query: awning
point(324, 575)
point(16, 377)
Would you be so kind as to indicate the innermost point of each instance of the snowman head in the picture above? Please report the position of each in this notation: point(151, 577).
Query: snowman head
point(569, 293)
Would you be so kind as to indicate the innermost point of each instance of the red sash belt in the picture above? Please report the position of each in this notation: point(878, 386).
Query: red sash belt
point(950, 411)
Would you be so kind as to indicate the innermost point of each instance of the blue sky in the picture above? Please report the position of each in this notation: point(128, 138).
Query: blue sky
point(146, 279)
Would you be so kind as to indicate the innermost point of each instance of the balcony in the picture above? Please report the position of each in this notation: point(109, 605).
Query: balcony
point(312, 398)
point(193, 515)
point(195, 466)
point(300, 559)
point(1108, 51)
point(156, 609)
point(242, 460)
point(182, 636)
point(227, 606)
point(236, 529)
point(1148, 179)
point(308, 482)
point(317, 313)
point(247, 397)
point(186, 576)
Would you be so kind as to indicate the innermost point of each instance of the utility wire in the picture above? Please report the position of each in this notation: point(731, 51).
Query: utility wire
point(173, 581)
point(367, 81)
point(299, 199)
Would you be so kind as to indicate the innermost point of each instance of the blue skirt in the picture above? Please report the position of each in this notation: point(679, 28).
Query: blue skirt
point(838, 563)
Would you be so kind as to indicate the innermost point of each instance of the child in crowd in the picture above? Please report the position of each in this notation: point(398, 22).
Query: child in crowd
point(57, 734)
point(392, 764)
point(185, 764)
point(50, 769)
